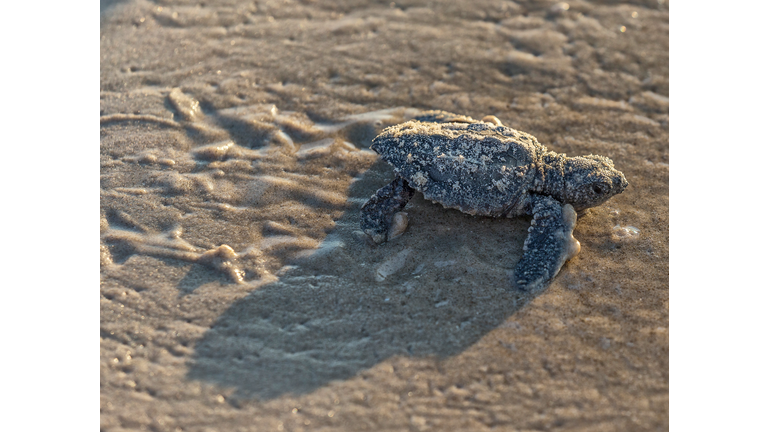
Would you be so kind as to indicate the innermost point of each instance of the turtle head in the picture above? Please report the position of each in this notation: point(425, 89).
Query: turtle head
point(591, 180)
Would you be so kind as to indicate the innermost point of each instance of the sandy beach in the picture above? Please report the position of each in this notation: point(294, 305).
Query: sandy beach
point(236, 293)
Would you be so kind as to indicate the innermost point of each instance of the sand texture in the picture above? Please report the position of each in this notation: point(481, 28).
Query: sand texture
point(236, 292)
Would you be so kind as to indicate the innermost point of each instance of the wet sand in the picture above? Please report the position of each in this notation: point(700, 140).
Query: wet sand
point(235, 294)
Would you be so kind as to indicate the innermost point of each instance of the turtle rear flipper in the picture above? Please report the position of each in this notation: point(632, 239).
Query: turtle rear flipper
point(381, 219)
point(549, 245)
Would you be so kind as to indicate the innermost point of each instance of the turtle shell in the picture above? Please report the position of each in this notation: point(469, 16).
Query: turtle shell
point(477, 168)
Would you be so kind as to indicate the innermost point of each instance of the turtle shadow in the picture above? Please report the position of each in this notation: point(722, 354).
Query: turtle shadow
point(347, 306)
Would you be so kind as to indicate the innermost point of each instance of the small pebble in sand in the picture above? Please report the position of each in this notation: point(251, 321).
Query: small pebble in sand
point(399, 224)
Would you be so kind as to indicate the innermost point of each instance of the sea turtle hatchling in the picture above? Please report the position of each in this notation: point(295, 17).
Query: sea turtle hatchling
point(484, 168)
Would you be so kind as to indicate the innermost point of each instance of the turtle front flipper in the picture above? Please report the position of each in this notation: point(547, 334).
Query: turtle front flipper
point(549, 245)
point(381, 218)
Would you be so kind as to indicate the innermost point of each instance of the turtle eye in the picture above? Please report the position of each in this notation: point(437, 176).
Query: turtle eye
point(597, 189)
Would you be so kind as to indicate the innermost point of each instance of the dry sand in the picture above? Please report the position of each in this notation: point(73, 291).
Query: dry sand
point(234, 292)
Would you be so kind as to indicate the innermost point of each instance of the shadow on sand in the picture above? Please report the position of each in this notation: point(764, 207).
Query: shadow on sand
point(347, 306)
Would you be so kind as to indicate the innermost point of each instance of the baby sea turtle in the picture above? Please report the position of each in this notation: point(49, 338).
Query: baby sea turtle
point(484, 168)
